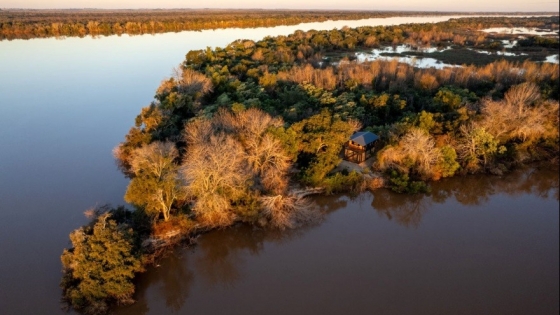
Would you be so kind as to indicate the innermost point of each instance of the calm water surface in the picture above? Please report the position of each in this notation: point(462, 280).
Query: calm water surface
point(64, 104)
point(477, 245)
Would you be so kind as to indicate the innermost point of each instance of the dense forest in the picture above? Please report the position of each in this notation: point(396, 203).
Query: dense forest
point(242, 133)
point(26, 24)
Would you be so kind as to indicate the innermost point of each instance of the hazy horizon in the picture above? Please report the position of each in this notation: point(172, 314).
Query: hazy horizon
point(403, 5)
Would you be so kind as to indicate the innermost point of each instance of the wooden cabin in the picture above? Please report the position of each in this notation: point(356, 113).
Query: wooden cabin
point(360, 146)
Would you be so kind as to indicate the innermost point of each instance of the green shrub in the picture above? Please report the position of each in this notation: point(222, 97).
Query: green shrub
point(99, 268)
point(400, 182)
point(340, 182)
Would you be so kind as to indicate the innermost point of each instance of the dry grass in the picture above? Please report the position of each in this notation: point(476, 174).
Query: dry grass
point(390, 157)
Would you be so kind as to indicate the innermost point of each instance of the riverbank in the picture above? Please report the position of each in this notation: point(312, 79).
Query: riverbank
point(384, 242)
point(182, 230)
point(28, 24)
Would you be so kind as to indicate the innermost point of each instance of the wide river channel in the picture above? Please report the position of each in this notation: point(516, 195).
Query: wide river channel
point(475, 245)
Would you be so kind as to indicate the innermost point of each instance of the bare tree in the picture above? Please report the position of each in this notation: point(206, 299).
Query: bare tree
point(194, 82)
point(198, 132)
point(288, 211)
point(519, 116)
point(420, 147)
point(323, 78)
point(229, 155)
point(356, 125)
point(269, 162)
point(156, 185)
point(246, 124)
point(215, 174)
point(498, 118)
point(417, 149)
point(264, 154)
point(476, 145)
point(522, 95)
point(187, 81)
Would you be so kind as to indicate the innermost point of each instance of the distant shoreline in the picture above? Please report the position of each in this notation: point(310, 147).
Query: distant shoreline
point(45, 23)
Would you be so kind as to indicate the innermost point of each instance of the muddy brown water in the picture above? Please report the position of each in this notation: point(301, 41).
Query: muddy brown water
point(476, 245)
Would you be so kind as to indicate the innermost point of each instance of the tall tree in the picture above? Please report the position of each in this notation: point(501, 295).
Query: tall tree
point(156, 185)
point(100, 266)
point(215, 175)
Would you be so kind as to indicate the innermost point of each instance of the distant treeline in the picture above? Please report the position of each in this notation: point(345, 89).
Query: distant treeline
point(26, 24)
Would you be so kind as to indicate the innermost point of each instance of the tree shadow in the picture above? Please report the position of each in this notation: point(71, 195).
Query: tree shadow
point(472, 190)
point(220, 254)
point(173, 279)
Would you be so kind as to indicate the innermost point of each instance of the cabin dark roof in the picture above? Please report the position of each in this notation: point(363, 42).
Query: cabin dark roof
point(364, 138)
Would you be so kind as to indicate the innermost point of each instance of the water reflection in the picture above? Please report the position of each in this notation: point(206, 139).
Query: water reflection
point(552, 58)
point(520, 30)
point(499, 53)
point(172, 280)
point(405, 211)
point(419, 62)
point(175, 282)
point(328, 205)
point(248, 269)
point(220, 254)
point(468, 190)
point(217, 260)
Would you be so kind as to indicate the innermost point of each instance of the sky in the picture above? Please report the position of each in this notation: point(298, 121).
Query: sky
point(425, 5)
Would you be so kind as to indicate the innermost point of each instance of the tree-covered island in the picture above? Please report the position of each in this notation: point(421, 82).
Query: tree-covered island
point(243, 133)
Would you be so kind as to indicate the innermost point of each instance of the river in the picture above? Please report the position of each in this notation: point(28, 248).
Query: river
point(478, 245)
point(65, 103)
